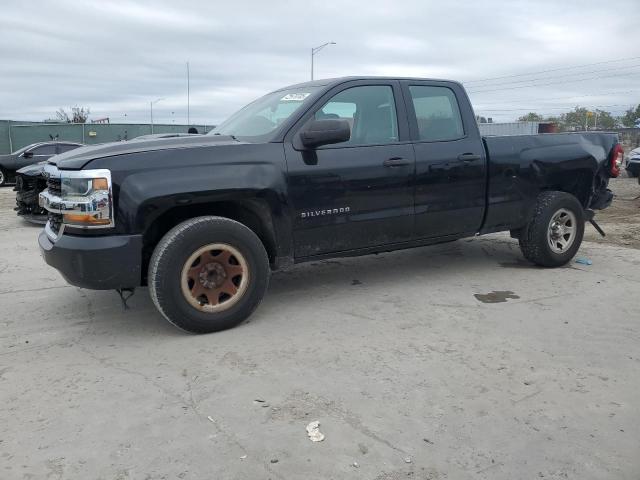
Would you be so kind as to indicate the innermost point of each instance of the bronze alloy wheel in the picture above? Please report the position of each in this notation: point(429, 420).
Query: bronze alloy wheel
point(214, 278)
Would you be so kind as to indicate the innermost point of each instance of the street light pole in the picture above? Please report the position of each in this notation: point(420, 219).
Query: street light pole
point(315, 50)
point(151, 105)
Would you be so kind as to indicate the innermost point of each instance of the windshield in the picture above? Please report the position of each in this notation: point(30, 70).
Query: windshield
point(259, 120)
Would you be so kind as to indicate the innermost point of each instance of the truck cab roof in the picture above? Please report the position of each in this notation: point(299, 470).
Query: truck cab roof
point(331, 82)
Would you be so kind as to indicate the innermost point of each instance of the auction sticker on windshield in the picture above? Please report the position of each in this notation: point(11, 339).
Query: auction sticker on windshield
point(294, 97)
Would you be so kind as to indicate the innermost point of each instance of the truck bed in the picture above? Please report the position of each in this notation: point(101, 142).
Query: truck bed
point(520, 165)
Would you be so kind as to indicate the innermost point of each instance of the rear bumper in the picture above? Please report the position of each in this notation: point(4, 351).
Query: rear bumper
point(97, 263)
point(602, 200)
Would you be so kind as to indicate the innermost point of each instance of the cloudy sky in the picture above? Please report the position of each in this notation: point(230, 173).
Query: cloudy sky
point(117, 56)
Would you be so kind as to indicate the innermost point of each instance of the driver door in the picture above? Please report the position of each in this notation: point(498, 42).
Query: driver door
point(355, 194)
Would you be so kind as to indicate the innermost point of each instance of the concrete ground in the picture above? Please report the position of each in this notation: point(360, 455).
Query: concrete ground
point(410, 369)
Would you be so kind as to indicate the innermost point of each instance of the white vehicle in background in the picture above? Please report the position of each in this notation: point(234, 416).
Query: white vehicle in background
point(632, 164)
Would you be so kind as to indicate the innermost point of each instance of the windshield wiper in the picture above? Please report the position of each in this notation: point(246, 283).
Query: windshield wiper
point(228, 135)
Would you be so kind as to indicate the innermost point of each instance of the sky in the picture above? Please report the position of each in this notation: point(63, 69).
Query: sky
point(116, 57)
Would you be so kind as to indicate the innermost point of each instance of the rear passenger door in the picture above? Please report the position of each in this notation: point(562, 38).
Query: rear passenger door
point(450, 180)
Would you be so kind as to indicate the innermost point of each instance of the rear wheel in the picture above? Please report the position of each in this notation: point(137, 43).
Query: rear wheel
point(208, 274)
point(633, 173)
point(555, 231)
point(3, 177)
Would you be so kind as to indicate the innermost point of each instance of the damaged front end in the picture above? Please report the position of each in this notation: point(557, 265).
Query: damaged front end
point(30, 181)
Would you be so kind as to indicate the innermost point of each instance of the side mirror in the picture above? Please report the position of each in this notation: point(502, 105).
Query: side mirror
point(27, 154)
point(325, 132)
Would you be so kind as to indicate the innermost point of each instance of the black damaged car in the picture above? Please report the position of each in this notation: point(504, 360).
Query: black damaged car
point(29, 180)
point(29, 155)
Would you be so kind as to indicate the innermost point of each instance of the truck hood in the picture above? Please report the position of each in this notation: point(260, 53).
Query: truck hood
point(78, 158)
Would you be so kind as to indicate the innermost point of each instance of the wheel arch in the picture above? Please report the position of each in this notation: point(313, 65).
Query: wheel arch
point(253, 213)
point(580, 183)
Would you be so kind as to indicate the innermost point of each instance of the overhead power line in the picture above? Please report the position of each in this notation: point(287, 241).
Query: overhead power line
point(552, 70)
point(551, 83)
point(553, 77)
point(533, 109)
point(567, 97)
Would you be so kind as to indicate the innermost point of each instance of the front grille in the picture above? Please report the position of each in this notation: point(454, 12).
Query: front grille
point(55, 186)
point(55, 222)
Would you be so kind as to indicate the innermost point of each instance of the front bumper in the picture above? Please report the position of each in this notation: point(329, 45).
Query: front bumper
point(97, 263)
point(27, 189)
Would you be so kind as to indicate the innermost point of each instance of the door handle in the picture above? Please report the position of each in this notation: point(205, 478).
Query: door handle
point(468, 157)
point(396, 162)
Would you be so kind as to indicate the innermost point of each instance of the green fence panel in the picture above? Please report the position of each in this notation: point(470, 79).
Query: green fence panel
point(15, 135)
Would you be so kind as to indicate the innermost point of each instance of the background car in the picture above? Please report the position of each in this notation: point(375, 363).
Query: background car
point(633, 163)
point(30, 181)
point(34, 153)
point(154, 136)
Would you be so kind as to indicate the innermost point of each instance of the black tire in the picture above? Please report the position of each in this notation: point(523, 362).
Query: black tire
point(535, 240)
point(4, 177)
point(632, 173)
point(168, 264)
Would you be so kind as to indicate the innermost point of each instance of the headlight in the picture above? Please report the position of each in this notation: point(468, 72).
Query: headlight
point(86, 198)
point(83, 198)
point(82, 187)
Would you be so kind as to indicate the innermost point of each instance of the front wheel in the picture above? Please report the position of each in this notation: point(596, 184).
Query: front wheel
point(3, 177)
point(554, 233)
point(208, 274)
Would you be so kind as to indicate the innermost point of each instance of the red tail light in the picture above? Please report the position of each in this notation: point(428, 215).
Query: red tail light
point(617, 155)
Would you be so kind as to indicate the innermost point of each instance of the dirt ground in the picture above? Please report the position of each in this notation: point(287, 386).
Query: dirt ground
point(621, 221)
point(454, 362)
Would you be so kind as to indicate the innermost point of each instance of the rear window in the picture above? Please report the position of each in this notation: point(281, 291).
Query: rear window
point(65, 147)
point(437, 113)
point(45, 150)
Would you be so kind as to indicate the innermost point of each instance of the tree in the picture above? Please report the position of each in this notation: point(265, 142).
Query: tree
point(631, 117)
point(531, 117)
point(576, 119)
point(77, 115)
point(603, 120)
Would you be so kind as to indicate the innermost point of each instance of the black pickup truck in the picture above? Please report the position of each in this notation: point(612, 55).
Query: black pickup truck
point(338, 167)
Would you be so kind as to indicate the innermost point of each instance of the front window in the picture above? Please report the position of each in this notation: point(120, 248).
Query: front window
point(45, 150)
point(370, 111)
point(259, 120)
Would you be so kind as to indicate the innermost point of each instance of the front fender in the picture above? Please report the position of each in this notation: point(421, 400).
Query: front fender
point(149, 184)
point(7, 164)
